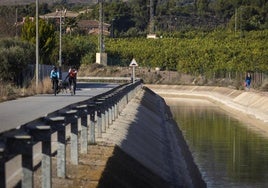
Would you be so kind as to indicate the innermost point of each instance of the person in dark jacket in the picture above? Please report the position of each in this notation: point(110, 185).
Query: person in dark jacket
point(248, 80)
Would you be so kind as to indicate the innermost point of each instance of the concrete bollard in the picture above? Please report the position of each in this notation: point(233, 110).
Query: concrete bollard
point(43, 133)
point(103, 114)
point(21, 143)
point(113, 111)
point(82, 113)
point(109, 112)
point(58, 124)
point(116, 107)
point(2, 164)
point(71, 118)
point(91, 111)
point(107, 118)
point(99, 118)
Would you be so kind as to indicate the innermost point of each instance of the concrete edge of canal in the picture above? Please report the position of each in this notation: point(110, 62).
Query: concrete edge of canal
point(250, 103)
point(144, 146)
point(149, 148)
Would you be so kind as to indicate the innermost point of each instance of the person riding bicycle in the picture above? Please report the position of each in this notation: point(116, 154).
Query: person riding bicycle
point(72, 74)
point(54, 76)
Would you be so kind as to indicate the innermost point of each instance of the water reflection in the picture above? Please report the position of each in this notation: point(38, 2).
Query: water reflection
point(228, 153)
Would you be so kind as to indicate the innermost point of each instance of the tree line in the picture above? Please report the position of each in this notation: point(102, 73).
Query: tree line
point(132, 18)
point(234, 39)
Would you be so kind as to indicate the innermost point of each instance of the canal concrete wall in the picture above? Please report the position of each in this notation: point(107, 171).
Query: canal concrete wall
point(149, 148)
point(144, 146)
point(247, 102)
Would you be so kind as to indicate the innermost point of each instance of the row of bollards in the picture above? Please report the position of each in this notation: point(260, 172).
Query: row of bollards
point(78, 123)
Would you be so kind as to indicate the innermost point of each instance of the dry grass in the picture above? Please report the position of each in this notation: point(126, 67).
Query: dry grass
point(43, 87)
point(148, 75)
point(10, 92)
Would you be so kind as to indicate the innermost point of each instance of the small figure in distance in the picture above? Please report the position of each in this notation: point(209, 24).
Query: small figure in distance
point(72, 74)
point(248, 81)
point(54, 76)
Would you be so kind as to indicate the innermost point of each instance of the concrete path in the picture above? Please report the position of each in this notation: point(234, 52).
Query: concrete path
point(15, 113)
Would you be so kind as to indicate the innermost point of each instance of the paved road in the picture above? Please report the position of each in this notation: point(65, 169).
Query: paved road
point(15, 113)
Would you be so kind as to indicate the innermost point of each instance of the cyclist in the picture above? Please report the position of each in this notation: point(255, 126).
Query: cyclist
point(54, 76)
point(72, 74)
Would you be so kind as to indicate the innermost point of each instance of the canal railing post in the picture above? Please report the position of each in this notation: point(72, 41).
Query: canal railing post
point(21, 143)
point(106, 112)
point(2, 164)
point(72, 120)
point(113, 107)
point(123, 101)
point(58, 124)
point(61, 153)
point(99, 118)
point(92, 110)
point(116, 105)
point(43, 133)
point(109, 110)
point(82, 116)
point(102, 108)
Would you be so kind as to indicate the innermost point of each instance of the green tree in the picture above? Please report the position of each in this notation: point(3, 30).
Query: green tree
point(78, 48)
point(46, 37)
point(140, 13)
point(15, 55)
point(202, 6)
point(119, 14)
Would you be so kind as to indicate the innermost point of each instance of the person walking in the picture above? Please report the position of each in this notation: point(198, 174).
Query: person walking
point(248, 81)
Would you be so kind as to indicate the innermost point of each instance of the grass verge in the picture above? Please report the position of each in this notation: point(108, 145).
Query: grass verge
point(10, 92)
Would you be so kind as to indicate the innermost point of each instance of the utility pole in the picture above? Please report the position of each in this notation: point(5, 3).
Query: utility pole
point(16, 22)
point(37, 46)
point(101, 56)
point(60, 40)
point(235, 20)
point(151, 22)
point(60, 46)
point(101, 29)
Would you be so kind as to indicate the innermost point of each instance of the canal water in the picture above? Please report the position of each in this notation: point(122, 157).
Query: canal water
point(228, 153)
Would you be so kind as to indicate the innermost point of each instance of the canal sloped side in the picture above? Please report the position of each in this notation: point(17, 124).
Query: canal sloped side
point(142, 148)
point(149, 148)
point(239, 102)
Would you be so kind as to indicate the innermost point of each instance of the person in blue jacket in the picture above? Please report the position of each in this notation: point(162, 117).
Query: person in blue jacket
point(54, 76)
point(248, 80)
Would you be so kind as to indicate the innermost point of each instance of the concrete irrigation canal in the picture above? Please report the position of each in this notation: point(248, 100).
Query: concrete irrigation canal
point(145, 146)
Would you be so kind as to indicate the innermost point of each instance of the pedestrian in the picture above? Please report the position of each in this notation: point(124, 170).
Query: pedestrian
point(248, 81)
point(54, 76)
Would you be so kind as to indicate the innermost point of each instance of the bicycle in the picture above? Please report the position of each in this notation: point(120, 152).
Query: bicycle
point(72, 87)
point(55, 86)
